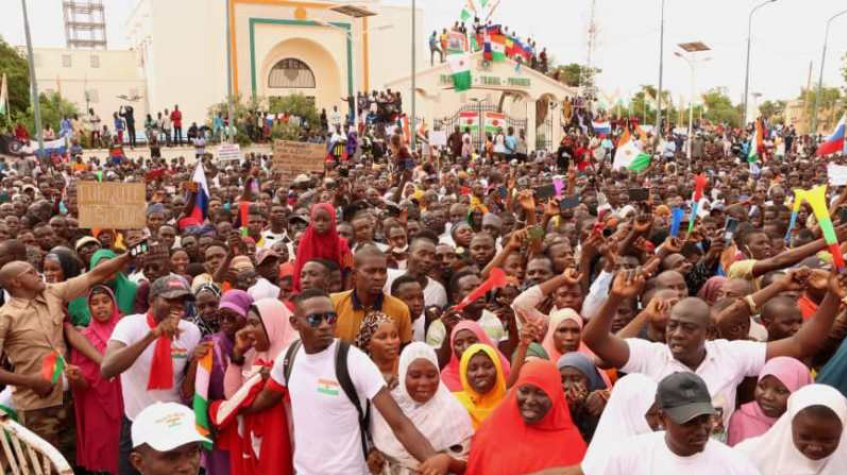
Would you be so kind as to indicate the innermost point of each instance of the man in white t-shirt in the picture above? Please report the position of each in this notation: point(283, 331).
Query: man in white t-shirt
point(420, 264)
point(327, 439)
point(146, 375)
point(722, 364)
point(684, 446)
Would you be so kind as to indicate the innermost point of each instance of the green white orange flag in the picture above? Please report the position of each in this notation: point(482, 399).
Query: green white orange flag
point(460, 67)
point(629, 156)
point(200, 403)
point(53, 366)
point(498, 48)
point(494, 121)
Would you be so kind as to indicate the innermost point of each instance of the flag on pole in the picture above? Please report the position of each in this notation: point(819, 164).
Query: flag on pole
point(465, 15)
point(835, 143)
point(757, 143)
point(200, 403)
point(460, 68)
point(629, 156)
point(52, 366)
point(4, 96)
point(498, 48)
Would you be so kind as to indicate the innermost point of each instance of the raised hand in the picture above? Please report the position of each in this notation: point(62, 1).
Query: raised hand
point(572, 277)
point(628, 284)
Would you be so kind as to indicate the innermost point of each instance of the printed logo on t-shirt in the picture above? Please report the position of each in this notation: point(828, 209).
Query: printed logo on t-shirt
point(179, 353)
point(328, 387)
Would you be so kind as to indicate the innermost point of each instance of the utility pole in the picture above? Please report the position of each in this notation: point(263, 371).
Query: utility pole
point(588, 70)
point(413, 132)
point(658, 135)
point(36, 107)
point(230, 106)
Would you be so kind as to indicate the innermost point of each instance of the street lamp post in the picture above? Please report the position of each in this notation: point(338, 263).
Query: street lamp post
point(36, 106)
point(691, 48)
point(747, 69)
point(230, 106)
point(814, 129)
point(661, 66)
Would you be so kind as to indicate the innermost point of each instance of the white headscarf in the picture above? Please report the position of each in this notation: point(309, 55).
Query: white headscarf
point(442, 419)
point(774, 453)
point(623, 417)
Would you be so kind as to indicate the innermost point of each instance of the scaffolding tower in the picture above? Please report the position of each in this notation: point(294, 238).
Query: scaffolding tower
point(85, 24)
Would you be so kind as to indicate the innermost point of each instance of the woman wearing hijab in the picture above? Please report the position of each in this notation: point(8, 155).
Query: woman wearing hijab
point(61, 264)
point(779, 378)
point(564, 334)
point(122, 287)
point(379, 338)
point(431, 408)
point(530, 431)
point(321, 241)
point(465, 334)
point(98, 405)
point(809, 439)
point(267, 332)
point(483, 382)
point(584, 389)
point(631, 411)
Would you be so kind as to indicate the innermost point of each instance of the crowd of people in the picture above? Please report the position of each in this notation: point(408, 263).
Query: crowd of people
point(443, 313)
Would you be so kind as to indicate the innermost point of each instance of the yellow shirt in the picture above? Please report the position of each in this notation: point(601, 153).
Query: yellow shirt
point(744, 270)
point(351, 313)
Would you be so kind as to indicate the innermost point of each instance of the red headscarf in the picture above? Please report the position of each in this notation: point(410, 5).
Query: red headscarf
point(506, 445)
point(329, 245)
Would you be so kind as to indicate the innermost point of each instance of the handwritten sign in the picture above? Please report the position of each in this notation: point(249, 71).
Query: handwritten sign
point(293, 158)
point(112, 205)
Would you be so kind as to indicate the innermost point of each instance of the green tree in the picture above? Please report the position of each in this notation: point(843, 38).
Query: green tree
point(773, 110)
point(720, 109)
point(575, 74)
point(295, 104)
point(16, 69)
point(53, 108)
point(831, 105)
point(643, 105)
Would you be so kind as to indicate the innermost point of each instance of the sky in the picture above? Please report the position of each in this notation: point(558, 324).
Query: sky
point(787, 37)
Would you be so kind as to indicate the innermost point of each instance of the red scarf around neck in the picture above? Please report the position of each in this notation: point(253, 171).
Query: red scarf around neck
point(162, 366)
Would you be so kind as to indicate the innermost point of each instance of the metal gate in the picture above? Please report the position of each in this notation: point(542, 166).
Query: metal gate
point(544, 134)
point(472, 116)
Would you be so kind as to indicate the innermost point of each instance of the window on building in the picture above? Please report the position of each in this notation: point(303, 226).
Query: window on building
point(291, 73)
point(66, 60)
point(92, 95)
point(95, 61)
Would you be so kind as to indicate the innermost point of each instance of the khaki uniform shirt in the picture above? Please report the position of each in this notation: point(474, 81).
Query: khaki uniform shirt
point(31, 329)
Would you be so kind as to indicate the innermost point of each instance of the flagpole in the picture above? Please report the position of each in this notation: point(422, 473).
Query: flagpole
point(36, 107)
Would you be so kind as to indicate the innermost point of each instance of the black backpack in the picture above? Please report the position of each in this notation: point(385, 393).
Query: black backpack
point(342, 373)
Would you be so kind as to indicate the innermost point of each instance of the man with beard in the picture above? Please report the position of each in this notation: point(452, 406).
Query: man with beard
point(370, 269)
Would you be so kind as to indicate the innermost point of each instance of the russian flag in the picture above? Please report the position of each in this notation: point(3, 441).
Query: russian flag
point(602, 127)
point(200, 210)
point(835, 142)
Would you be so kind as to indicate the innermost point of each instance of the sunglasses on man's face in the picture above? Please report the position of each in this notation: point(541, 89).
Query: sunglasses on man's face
point(314, 319)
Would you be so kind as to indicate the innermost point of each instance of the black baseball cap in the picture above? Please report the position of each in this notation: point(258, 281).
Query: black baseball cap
point(171, 287)
point(683, 397)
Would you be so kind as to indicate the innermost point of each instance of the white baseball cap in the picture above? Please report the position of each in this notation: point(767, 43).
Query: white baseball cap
point(164, 426)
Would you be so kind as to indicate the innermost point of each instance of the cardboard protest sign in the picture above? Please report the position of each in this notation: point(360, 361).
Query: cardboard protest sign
point(293, 158)
point(112, 205)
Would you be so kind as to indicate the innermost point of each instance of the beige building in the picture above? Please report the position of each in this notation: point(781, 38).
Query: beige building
point(502, 94)
point(278, 47)
point(96, 79)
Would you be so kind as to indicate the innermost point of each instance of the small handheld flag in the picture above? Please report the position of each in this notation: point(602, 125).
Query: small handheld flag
point(495, 280)
point(817, 199)
point(53, 366)
point(799, 197)
point(699, 187)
